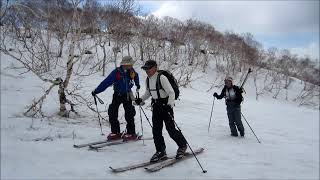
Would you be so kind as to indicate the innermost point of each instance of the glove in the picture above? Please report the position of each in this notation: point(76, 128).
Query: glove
point(138, 101)
point(215, 94)
point(93, 93)
point(241, 90)
point(171, 104)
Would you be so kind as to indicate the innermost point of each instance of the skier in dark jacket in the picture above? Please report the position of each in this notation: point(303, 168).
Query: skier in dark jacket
point(122, 78)
point(233, 97)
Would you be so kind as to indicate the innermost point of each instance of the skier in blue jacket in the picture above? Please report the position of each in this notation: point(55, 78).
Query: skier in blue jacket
point(122, 78)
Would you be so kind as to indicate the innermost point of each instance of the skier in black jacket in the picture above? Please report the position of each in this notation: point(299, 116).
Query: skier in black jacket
point(233, 96)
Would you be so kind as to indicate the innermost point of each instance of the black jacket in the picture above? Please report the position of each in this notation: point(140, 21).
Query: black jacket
point(238, 92)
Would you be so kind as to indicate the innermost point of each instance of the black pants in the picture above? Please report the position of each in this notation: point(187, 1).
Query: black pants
point(234, 116)
point(160, 115)
point(129, 114)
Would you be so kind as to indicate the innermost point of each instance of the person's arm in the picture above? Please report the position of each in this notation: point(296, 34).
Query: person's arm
point(136, 80)
point(222, 93)
point(239, 92)
point(168, 89)
point(106, 82)
point(146, 94)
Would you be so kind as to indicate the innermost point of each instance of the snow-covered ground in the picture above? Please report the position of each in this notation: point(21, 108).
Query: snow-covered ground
point(35, 149)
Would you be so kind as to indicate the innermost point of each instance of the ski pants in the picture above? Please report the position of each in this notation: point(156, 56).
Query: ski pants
point(129, 114)
point(234, 116)
point(160, 114)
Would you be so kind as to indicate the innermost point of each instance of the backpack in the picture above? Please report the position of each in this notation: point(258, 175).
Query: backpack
point(172, 81)
point(130, 72)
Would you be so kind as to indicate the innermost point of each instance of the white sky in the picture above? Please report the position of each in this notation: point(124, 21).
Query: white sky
point(284, 24)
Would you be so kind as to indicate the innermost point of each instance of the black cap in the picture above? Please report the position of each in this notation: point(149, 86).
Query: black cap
point(149, 64)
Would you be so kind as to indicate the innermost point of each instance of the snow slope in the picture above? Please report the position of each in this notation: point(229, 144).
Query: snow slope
point(42, 149)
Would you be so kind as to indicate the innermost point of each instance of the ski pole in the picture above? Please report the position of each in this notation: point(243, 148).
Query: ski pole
point(100, 100)
point(250, 127)
point(211, 114)
point(95, 102)
point(140, 120)
point(145, 116)
point(204, 171)
point(245, 79)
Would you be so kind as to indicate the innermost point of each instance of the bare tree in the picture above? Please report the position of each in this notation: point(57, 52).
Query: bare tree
point(3, 10)
point(59, 20)
point(33, 49)
point(309, 95)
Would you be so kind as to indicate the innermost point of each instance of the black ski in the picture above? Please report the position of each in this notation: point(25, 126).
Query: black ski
point(88, 144)
point(111, 143)
point(170, 162)
point(135, 166)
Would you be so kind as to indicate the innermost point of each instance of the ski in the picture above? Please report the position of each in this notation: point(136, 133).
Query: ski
point(88, 144)
point(170, 162)
point(111, 143)
point(135, 166)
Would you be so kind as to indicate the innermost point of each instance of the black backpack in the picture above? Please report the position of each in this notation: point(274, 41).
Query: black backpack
point(172, 80)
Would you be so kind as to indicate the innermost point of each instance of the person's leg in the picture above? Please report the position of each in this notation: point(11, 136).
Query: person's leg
point(174, 133)
point(238, 122)
point(157, 122)
point(158, 139)
point(129, 114)
point(232, 124)
point(113, 114)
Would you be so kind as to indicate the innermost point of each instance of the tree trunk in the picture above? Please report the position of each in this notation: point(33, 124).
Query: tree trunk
point(128, 49)
point(63, 86)
point(62, 100)
point(164, 53)
point(104, 61)
point(115, 59)
point(60, 48)
point(134, 51)
point(48, 51)
point(141, 52)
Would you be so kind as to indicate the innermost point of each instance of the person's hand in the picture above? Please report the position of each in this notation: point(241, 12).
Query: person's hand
point(93, 93)
point(241, 90)
point(171, 104)
point(215, 94)
point(138, 101)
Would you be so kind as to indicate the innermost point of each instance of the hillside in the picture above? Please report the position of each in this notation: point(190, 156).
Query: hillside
point(42, 148)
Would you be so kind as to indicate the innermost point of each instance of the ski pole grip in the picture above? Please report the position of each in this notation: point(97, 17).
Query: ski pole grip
point(95, 100)
point(101, 102)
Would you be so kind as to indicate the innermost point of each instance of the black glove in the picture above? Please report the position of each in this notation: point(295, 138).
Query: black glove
point(138, 101)
point(215, 94)
point(93, 93)
point(241, 90)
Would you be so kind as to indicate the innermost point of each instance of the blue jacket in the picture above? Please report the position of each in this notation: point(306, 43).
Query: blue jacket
point(121, 81)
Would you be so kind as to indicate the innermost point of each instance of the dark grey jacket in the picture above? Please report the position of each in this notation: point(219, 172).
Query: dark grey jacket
point(238, 92)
